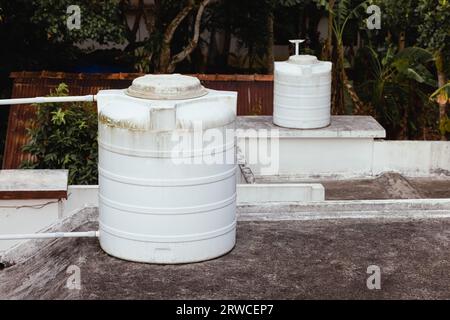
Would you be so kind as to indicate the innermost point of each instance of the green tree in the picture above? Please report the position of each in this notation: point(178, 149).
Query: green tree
point(442, 97)
point(172, 25)
point(398, 84)
point(101, 21)
point(340, 15)
point(434, 32)
point(249, 19)
point(425, 23)
point(168, 61)
point(400, 20)
point(65, 137)
point(272, 6)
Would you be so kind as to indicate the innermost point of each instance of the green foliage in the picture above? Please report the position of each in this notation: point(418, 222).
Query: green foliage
point(341, 14)
point(442, 96)
point(342, 10)
point(25, 45)
point(250, 31)
point(399, 17)
point(147, 54)
point(246, 21)
point(142, 62)
point(444, 126)
point(289, 3)
point(65, 137)
point(424, 23)
point(397, 82)
point(434, 28)
point(101, 20)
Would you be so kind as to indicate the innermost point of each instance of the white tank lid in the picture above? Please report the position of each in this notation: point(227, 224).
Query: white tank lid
point(166, 87)
point(301, 59)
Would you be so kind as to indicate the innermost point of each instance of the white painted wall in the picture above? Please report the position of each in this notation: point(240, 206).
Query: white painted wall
point(353, 157)
point(412, 158)
point(326, 156)
point(31, 216)
point(26, 216)
point(263, 193)
point(79, 197)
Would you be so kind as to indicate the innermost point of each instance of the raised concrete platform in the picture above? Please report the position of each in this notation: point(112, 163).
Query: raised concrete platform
point(340, 127)
point(351, 147)
point(344, 148)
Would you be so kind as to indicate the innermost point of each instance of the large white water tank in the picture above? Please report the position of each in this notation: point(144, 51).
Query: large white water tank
point(167, 170)
point(302, 92)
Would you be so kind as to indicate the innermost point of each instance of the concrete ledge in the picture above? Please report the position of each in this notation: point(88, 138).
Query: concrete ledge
point(347, 209)
point(340, 127)
point(33, 184)
point(263, 193)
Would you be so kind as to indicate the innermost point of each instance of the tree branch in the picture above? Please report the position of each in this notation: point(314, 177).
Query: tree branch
point(131, 32)
point(138, 17)
point(170, 31)
point(164, 63)
point(193, 44)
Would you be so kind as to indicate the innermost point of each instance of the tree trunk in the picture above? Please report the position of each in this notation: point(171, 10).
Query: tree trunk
point(329, 43)
point(194, 41)
point(212, 49)
point(164, 64)
point(131, 32)
point(250, 57)
point(223, 60)
point(404, 128)
point(314, 17)
point(442, 80)
point(401, 41)
point(359, 107)
point(226, 50)
point(270, 44)
point(338, 80)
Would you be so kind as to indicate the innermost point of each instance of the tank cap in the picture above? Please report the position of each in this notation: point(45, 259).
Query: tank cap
point(298, 58)
point(166, 87)
point(297, 45)
point(303, 59)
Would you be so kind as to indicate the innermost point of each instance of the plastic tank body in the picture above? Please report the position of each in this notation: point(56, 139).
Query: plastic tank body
point(167, 170)
point(302, 93)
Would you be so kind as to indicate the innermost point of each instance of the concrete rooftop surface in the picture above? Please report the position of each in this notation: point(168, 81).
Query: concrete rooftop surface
point(317, 259)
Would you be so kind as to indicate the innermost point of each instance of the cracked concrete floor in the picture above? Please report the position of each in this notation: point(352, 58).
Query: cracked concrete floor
point(322, 259)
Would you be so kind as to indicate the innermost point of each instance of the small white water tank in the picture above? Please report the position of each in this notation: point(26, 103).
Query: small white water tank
point(167, 170)
point(302, 92)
